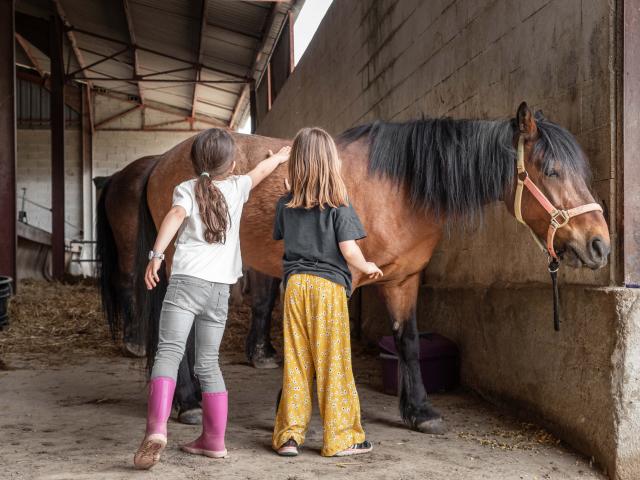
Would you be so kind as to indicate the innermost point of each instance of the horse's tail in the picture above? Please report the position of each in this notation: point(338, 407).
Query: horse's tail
point(107, 256)
point(148, 303)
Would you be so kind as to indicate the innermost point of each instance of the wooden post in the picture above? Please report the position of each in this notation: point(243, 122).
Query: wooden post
point(630, 106)
point(253, 105)
point(57, 147)
point(8, 238)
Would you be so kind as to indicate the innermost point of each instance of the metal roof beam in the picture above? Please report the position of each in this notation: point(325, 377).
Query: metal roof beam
point(97, 62)
point(160, 54)
point(203, 27)
point(30, 55)
point(134, 49)
point(77, 53)
point(134, 80)
point(177, 112)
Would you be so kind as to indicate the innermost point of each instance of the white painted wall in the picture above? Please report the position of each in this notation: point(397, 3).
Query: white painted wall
point(34, 174)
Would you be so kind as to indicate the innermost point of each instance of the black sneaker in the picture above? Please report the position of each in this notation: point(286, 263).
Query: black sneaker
point(357, 449)
point(288, 449)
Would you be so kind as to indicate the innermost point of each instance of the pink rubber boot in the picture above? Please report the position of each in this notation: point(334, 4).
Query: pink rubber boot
point(158, 411)
point(214, 424)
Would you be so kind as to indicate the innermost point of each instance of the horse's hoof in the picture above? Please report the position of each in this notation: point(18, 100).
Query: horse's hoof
point(434, 426)
point(191, 417)
point(133, 350)
point(265, 363)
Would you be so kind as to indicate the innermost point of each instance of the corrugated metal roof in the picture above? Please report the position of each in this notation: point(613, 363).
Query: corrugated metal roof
point(233, 33)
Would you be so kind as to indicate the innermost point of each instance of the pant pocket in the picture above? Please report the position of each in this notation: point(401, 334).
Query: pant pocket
point(218, 305)
point(186, 295)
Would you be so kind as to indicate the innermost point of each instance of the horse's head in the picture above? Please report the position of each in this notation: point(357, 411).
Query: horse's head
point(556, 165)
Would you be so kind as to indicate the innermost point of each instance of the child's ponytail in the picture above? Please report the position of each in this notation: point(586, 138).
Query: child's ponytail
point(214, 210)
point(212, 155)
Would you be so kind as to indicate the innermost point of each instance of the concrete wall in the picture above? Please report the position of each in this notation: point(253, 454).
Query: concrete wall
point(487, 288)
point(395, 60)
point(34, 174)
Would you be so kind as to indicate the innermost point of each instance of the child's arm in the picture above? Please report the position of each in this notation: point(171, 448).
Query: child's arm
point(267, 166)
point(168, 229)
point(354, 257)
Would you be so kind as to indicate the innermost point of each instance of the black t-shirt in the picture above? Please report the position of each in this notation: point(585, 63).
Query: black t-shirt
point(311, 239)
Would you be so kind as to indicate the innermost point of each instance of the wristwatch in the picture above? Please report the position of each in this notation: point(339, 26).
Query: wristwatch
point(153, 255)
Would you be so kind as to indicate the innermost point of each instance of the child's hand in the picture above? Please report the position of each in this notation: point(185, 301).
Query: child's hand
point(372, 270)
point(151, 278)
point(282, 155)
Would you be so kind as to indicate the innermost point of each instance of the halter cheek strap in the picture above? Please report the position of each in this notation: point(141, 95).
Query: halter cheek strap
point(559, 217)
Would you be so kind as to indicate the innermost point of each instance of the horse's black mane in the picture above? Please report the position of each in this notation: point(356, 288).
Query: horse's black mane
point(454, 167)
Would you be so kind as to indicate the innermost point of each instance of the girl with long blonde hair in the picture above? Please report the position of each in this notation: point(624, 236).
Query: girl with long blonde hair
point(319, 228)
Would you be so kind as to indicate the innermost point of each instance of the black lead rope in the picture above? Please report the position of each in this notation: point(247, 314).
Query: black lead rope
point(554, 265)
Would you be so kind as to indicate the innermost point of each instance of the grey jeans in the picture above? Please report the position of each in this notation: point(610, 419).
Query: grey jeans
point(188, 299)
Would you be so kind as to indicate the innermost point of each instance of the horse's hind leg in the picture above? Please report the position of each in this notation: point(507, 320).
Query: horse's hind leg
point(415, 408)
point(188, 395)
point(133, 339)
point(264, 292)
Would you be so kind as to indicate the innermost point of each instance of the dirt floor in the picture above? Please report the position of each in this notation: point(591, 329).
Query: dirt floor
point(72, 408)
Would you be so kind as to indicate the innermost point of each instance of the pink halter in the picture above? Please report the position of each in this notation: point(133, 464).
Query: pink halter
point(559, 217)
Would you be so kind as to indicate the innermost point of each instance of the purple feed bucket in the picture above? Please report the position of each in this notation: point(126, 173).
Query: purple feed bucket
point(439, 363)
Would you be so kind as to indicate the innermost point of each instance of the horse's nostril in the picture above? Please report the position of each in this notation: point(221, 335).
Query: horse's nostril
point(599, 249)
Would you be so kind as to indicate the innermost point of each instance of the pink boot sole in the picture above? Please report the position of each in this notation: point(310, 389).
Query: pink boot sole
point(149, 452)
point(206, 453)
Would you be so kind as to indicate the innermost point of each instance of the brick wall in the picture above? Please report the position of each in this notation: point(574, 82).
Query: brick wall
point(397, 59)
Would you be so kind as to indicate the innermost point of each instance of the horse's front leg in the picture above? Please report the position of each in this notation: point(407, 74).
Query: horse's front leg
point(415, 408)
point(264, 292)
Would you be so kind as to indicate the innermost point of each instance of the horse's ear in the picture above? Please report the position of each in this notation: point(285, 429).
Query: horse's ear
point(526, 123)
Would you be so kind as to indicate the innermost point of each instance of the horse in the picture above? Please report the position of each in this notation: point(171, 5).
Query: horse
point(408, 181)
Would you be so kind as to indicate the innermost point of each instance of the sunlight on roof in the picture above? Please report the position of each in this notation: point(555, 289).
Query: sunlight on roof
point(304, 29)
point(307, 23)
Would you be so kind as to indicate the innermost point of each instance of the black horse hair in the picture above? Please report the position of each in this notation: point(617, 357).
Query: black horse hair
point(451, 168)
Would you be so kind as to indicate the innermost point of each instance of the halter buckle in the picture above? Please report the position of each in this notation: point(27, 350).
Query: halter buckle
point(523, 175)
point(559, 218)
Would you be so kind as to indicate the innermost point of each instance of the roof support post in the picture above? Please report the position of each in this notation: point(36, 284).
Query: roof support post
point(8, 238)
point(87, 168)
point(57, 148)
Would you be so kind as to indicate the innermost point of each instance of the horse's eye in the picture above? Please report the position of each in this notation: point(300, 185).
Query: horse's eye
point(552, 173)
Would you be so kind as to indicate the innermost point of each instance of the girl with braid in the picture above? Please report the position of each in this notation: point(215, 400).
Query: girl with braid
point(206, 215)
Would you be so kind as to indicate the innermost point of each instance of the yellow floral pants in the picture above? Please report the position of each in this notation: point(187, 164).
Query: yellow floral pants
point(316, 340)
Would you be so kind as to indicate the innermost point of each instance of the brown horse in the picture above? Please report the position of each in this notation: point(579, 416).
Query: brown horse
point(406, 180)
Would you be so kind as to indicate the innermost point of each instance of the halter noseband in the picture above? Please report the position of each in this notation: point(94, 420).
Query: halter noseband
point(559, 217)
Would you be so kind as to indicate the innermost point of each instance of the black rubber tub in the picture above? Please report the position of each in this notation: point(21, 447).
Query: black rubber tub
point(5, 295)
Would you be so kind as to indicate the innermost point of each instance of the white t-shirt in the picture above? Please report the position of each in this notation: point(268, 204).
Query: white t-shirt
point(214, 262)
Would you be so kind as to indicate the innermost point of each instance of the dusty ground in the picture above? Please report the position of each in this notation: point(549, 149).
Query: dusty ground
point(71, 409)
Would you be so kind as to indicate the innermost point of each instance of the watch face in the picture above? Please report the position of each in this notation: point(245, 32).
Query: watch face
point(151, 255)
